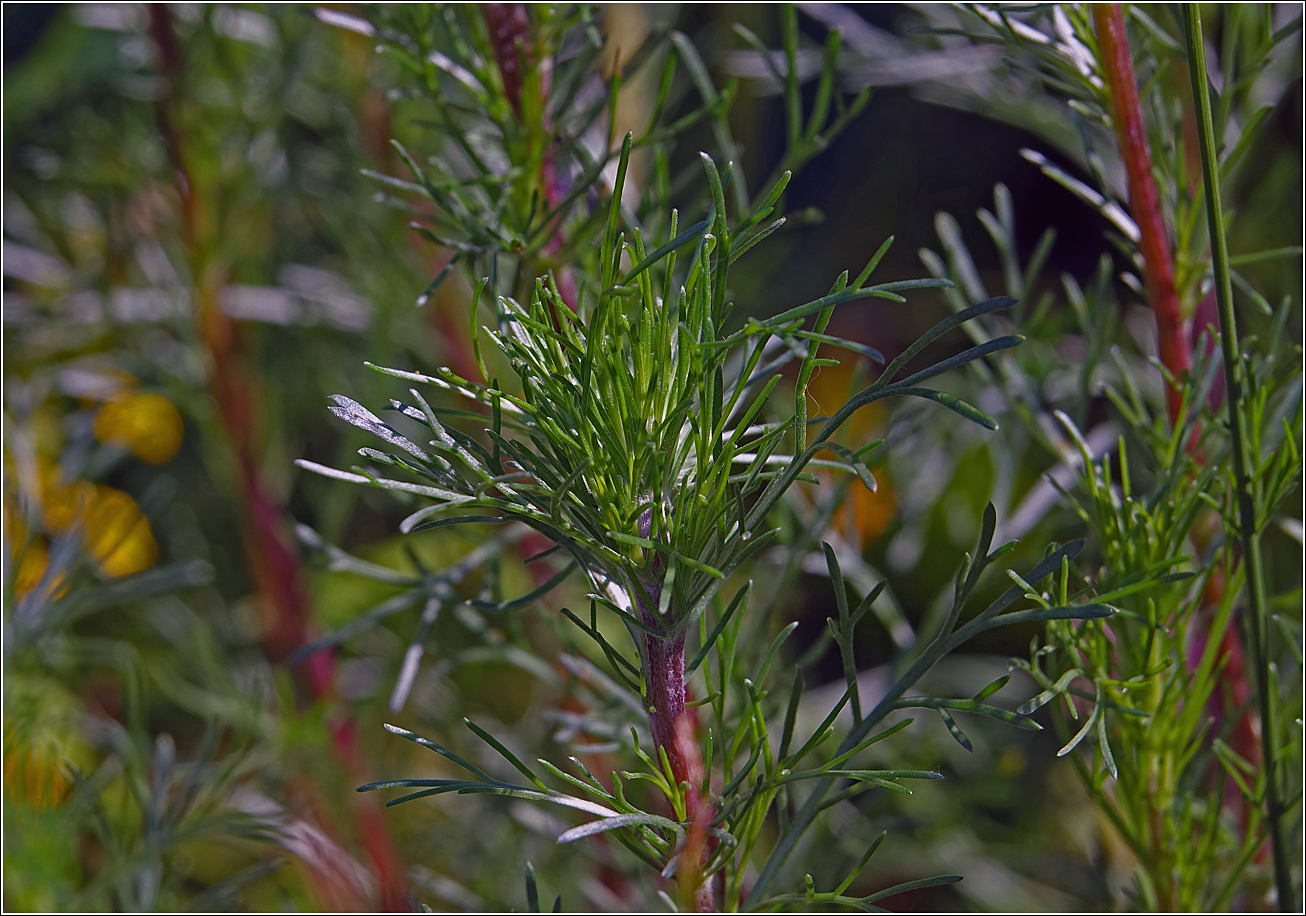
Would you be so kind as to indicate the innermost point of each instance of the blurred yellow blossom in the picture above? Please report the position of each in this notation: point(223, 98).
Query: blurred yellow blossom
point(115, 532)
point(830, 387)
point(147, 424)
point(864, 512)
point(34, 773)
point(870, 513)
point(62, 503)
point(118, 535)
point(41, 740)
point(32, 566)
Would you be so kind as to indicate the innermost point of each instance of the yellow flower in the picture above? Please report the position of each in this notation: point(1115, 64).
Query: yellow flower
point(32, 567)
point(147, 424)
point(870, 513)
point(35, 557)
point(114, 530)
point(864, 512)
point(42, 740)
point(62, 504)
point(34, 773)
point(118, 535)
point(827, 391)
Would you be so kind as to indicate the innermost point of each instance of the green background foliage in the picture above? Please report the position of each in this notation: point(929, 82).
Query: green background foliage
point(202, 641)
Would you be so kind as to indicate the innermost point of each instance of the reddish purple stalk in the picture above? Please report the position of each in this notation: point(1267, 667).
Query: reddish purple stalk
point(666, 684)
point(1144, 199)
point(1174, 340)
point(509, 26)
point(673, 726)
point(673, 730)
point(510, 38)
point(274, 562)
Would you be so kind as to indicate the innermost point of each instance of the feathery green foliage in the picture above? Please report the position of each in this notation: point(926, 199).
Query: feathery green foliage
point(640, 436)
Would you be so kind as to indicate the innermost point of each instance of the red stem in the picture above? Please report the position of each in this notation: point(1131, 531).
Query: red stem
point(1174, 340)
point(274, 562)
point(673, 726)
point(666, 693)
point(1144, 199)
point(673, 729)
point(510, 38)
point(509, 25)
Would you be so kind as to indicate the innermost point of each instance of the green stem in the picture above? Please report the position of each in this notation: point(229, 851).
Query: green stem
point(1235, 372)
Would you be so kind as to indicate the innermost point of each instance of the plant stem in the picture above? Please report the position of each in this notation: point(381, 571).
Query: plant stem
point(1173, 344)
point(509, 25)
point(673, 732)
point(673, 726)
point(1174, 339)
point(666, 696)
point(273, 561)
point(1235, 371)
point(510, 37)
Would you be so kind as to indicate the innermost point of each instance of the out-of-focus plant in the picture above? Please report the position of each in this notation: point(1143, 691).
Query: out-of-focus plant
point(175, 213)
point(642, 440)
